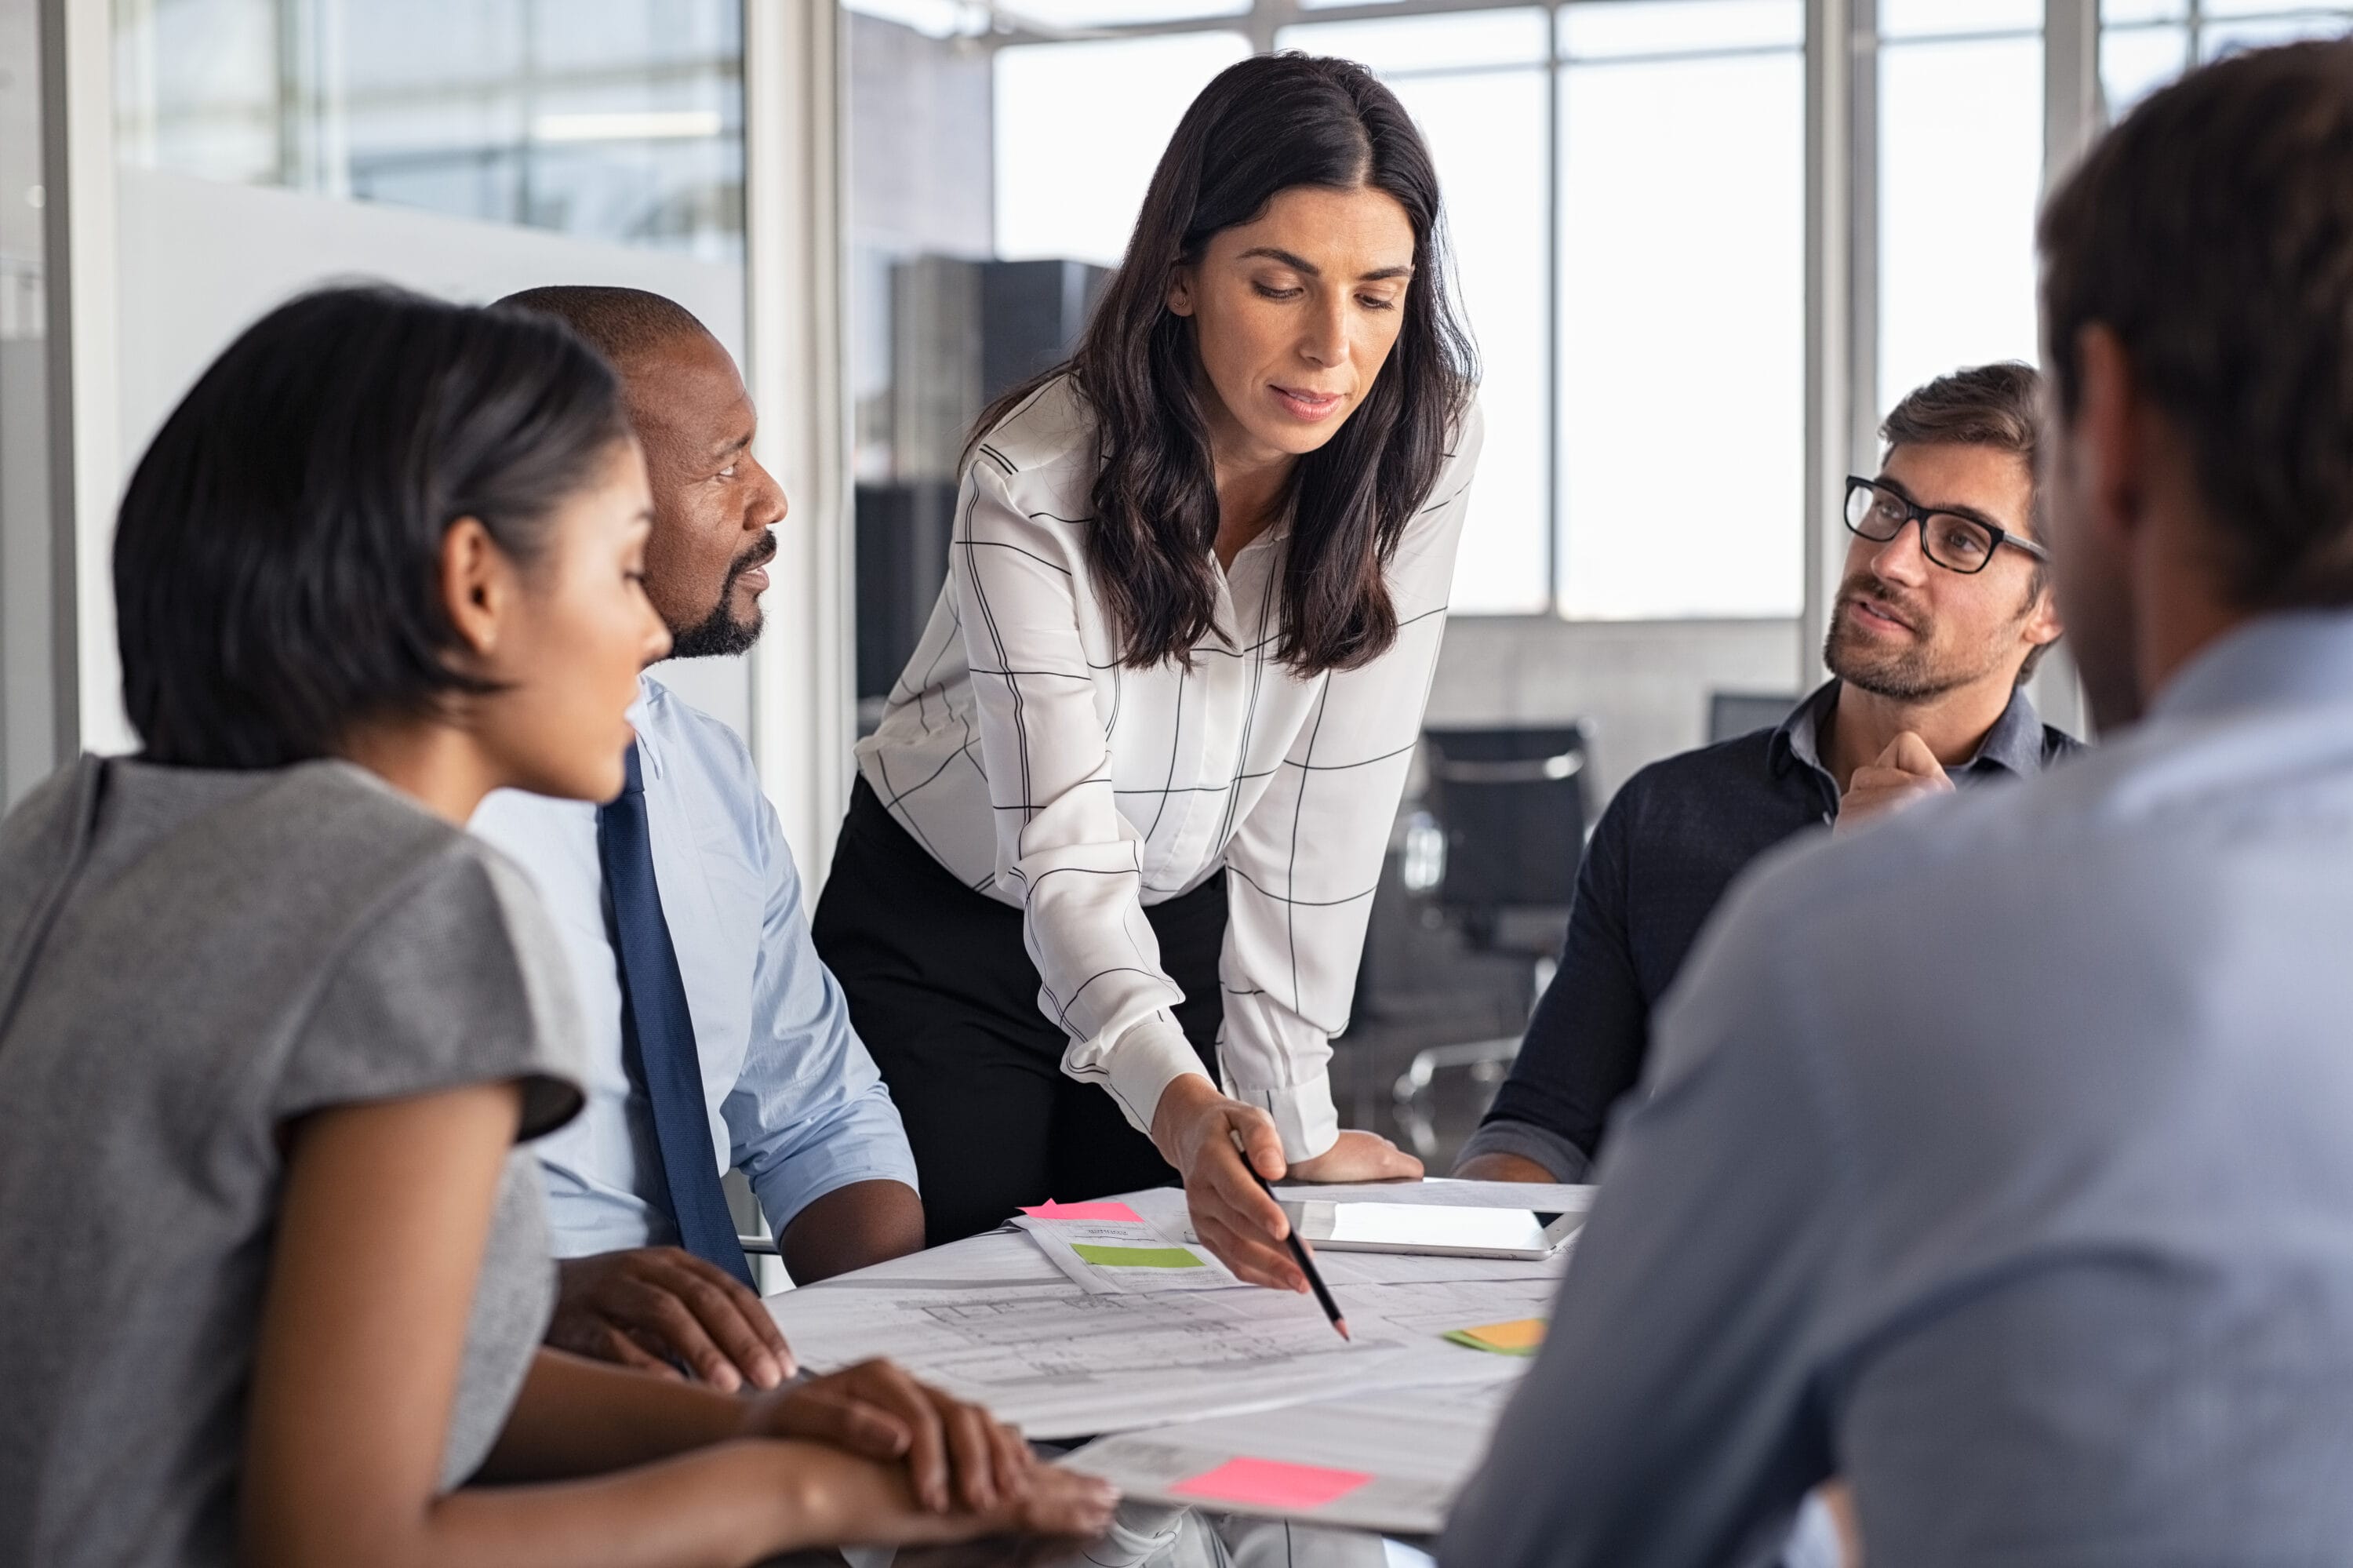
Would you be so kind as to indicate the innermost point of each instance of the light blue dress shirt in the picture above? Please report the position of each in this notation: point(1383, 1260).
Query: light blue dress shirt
point(2000, 1158)
point(795, 1101)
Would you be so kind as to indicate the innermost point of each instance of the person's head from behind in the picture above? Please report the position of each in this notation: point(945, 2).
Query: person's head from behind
point(1283, 299)
point(2197, 316)
point(374, 514)
point(714, 504)
point(1944, 588)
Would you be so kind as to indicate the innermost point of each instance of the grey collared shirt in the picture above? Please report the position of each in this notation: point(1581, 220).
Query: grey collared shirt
point(2001, 1159)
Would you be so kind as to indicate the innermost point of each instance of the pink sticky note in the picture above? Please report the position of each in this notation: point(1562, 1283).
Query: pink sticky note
point(1050, 1209)
point(1271, 1483)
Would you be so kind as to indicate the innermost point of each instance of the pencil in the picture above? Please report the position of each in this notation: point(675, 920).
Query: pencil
point(1305, 1259)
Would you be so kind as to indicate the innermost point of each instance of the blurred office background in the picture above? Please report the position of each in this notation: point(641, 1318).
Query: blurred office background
point(1702, 243)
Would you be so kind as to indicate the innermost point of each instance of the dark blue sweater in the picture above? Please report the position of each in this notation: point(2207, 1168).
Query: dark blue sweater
point(1671, 842)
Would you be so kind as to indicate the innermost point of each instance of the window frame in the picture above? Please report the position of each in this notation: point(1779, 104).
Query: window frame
point(1841, 44)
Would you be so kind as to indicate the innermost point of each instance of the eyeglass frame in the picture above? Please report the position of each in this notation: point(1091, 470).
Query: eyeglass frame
point(1918, 515)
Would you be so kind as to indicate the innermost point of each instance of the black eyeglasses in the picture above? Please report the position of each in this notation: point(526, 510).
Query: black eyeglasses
point(1955, 543)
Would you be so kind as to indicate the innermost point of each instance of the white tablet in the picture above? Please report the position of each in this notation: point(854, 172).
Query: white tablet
point(1433, 1229)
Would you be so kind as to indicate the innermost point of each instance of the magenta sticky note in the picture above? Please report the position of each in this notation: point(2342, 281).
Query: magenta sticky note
point(1271, 1483)
point(1050, 1209)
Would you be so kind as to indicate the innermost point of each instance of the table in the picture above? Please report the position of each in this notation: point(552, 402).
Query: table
point(1179, 1374)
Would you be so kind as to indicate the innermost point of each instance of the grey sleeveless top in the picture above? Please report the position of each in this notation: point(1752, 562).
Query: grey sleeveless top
point(189, 961)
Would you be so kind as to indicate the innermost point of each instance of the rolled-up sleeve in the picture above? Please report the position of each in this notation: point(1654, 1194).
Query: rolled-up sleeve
point(810, 1113)
point(1306, 859)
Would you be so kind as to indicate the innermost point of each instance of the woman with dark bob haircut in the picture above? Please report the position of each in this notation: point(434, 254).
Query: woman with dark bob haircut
point(272, 1026)
point(1116, 838)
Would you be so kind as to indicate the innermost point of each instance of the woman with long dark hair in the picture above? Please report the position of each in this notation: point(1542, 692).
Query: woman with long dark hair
point(1120, 827)
point(272, 1023)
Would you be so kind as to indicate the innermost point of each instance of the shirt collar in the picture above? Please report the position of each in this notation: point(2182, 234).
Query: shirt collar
point(1799, 740)
point(640, 716)
point(2294, 659)
point(2014, 744)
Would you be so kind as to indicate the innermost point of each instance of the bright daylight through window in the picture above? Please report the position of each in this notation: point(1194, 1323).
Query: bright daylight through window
point(1634, 272)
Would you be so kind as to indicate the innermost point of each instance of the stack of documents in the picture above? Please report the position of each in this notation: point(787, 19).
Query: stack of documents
point(1106, 1248)
point(1390, 1461)
point(1109, 1318)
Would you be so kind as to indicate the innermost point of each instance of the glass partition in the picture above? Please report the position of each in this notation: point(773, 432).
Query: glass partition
point(619, 121)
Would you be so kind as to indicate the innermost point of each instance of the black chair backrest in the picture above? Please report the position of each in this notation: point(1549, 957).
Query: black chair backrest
point(1513, 803)
point(1733, 714)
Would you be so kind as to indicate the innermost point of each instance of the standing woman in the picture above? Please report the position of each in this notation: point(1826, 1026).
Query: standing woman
point(1117, 836)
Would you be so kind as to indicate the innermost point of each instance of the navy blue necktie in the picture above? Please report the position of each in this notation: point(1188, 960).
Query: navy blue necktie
point(658, 1032)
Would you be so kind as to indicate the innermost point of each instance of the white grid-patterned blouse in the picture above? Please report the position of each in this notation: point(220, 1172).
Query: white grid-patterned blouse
point(1018, 751)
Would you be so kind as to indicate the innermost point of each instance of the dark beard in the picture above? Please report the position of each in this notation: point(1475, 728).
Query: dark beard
point(1904, 677)
point(1920, 674)
point(720, 633)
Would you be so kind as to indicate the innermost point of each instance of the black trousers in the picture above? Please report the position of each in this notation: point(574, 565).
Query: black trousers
point(945, 997)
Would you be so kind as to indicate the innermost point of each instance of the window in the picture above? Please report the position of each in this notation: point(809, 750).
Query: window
point(611, 119)
point(1079, 129)
point(1476, 85)
point(1961, 181)
point(1626, 189)
point(1681, 347)
point(1572, 169)
point(1614, 299)
point(2144, 44)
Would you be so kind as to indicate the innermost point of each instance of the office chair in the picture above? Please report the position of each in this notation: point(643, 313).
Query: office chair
point(1733, 714)
point(1512, 805)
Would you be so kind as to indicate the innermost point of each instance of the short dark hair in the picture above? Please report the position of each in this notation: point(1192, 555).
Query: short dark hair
point(1265, 126)
point(1998, 406)
point(2212, 233)
point(276, 559)
point(616, 322)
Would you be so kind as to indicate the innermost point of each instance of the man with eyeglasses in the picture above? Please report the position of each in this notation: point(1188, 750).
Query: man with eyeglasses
point(1943, 612)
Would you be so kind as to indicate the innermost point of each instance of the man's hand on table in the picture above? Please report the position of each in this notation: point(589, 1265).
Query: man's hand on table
point(656, 1308)
point(1500, 1166)
point(1196, 1128)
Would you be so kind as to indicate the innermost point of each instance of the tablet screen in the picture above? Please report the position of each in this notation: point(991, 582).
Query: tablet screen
point(1417, 1227)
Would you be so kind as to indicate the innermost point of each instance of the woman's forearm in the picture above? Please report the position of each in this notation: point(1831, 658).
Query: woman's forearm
point(734, 1503)
point(578, 1417)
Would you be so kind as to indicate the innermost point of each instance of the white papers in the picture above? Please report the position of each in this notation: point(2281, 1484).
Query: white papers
point(991, 1319)
point(1059, 1362)
point(1395, 1459)
point(1126, 1257)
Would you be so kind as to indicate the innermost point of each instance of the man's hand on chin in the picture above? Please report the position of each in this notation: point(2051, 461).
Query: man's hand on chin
point(1905, 772)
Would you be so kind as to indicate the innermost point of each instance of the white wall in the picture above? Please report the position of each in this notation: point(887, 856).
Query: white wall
point(200, 261)
point(1640, 687)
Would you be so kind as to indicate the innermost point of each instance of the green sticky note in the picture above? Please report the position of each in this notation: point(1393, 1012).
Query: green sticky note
point(1136, 1257)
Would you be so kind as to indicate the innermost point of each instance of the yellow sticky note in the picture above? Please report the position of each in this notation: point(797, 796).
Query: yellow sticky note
point(1518, 1338)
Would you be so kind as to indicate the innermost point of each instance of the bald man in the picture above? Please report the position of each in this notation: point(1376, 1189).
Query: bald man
point(716, 1039)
